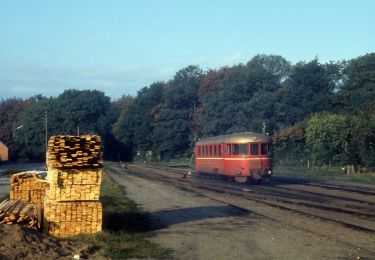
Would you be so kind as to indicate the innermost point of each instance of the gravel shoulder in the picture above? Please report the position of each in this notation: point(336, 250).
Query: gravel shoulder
point(197, 227)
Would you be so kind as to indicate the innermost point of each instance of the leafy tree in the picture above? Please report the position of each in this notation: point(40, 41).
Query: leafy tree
point(86, 111)
point(9, 110)
point(176, 116)
point(329, 138)
point(309, 89)
point(134, 127)
point(30, 140)
point(358, 89)
point(244, 95)
point(290, 144)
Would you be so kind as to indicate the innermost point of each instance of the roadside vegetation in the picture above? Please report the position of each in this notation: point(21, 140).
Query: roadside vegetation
point(325, 174)
point(125, 227)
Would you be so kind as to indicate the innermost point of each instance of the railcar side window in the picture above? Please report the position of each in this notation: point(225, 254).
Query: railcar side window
point(270, 149)
point(254, 149)
point(236, 149)
point(243, 149)
point(229, 149)
point(215, 154)
point(219, 150)
point(199, 151)
point(264, 149)
point(211, 151)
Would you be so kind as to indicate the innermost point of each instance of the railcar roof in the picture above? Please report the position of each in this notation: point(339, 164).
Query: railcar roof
point(246, 137)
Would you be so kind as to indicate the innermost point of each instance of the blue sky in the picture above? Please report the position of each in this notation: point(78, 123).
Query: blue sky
point(121, 46)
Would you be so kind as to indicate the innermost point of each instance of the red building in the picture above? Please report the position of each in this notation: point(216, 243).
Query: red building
point(4, 152)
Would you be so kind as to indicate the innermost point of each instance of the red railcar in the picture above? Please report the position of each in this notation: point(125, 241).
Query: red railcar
point(242, 156)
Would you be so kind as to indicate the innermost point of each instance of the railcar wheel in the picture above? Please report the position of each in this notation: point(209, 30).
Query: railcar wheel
point(241, 179)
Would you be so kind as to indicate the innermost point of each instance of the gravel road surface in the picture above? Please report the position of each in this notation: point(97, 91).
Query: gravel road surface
point(197, 227)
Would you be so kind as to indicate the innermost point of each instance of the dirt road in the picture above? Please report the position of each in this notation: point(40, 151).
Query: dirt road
point(198, 227)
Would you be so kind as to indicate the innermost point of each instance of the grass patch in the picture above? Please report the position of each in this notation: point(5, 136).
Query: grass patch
point(324, 174)
point(125, 227)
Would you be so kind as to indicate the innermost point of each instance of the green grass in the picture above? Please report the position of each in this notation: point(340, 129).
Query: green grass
point(125, 227)
point(322, 173)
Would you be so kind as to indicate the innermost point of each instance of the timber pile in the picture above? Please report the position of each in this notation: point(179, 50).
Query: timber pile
point(74, 184)
point(28, 186)
point(71, 204)
point(20, 212)
point(72, 218)
point(80, 151)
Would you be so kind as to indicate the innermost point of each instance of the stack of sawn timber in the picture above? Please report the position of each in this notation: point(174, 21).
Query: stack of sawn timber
point(20, 212)
point(71, 204)
point(81, 151)
point(28, 187)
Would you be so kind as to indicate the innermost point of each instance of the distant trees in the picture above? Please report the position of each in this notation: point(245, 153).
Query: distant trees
point(86, 112)
point(9, 111)
point(358, 89)
point(317, 112)
point(134, 127)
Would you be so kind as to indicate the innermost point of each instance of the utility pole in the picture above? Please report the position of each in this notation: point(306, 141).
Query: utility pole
point(46, 128)
point(264, 128)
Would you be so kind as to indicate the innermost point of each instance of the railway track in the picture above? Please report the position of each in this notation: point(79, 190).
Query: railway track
point(361, 190)
point(351, 219)
point(275, 186)
point(351, 213)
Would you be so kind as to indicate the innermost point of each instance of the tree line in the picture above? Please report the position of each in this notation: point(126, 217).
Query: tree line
point(320, 112)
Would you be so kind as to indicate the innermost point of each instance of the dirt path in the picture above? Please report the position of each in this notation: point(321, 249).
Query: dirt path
point(196, 227)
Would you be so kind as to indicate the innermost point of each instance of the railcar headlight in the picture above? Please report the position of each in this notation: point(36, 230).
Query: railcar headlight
point(269, 172)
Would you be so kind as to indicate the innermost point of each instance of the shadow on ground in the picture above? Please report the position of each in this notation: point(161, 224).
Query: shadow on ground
point(144, 222)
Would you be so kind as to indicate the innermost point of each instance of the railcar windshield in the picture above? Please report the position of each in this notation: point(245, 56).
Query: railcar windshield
point(254, 149)
point(266, 149)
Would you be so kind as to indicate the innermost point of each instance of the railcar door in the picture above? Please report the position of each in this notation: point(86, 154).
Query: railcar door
point(256, 162)
point(266, 158)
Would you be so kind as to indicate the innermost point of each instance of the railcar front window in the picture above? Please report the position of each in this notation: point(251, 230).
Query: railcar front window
point(243, 149)
point(254, 149)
